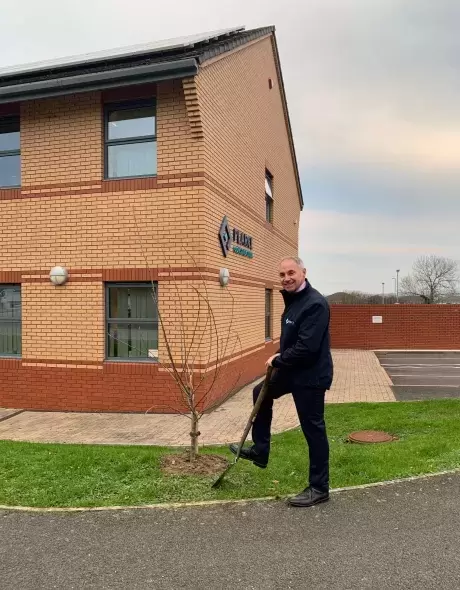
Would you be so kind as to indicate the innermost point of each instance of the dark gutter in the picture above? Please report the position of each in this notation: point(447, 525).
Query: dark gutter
point(154, 72)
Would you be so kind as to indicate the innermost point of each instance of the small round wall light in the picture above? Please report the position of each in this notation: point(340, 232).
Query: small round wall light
point(224, 277)
point(59, 275)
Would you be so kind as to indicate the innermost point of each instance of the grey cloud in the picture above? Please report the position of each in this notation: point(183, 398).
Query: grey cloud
point(372, 85)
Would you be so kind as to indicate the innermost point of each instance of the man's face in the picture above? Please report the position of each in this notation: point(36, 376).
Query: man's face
point(291, 275)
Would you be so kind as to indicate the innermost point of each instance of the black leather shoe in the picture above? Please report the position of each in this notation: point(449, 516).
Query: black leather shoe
point(250, 455)
point(309, 497)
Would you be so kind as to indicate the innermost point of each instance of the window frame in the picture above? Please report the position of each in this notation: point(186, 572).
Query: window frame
point(9, 153)
point(108, 320)
point(269, 201)
point(127, 105)
point(13, 320)
point(268, 315)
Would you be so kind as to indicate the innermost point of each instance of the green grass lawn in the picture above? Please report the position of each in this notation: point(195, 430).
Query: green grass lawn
point(80, 475)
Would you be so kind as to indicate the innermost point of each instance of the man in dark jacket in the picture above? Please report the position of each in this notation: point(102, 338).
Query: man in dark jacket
point(303, 366)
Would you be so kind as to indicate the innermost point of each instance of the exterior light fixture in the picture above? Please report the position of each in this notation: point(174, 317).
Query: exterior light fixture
point(224, 277)
point(59, 275)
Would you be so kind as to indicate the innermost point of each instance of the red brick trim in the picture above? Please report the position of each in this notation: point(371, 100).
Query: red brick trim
point(178, 175)
point(187, 184)
point(191, 277)
point(103, 186)
point(99, 184)
point(71, 279)
point(90, 184)
point(181, 273)
point(128, 367)
point(75, 364)
point(129, 184)
point(7, 194)
point(10, 363)
point(118, 387)
point(10, 276)
point(117, 275)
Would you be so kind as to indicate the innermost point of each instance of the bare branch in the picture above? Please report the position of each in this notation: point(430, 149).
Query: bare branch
point(185, 376)
point(175, 410)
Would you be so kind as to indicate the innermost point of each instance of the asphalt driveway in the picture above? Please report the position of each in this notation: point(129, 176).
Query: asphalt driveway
point(422, 375)
point(401, 536)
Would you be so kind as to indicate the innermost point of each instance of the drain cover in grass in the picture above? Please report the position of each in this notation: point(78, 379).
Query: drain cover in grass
point(370, 436)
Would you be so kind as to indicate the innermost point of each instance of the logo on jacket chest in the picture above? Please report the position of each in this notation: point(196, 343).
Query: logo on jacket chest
point(289, 322)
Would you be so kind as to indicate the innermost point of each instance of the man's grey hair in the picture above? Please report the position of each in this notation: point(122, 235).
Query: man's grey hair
point(295, 259)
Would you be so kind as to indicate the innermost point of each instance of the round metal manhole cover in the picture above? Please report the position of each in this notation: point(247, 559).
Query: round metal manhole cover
point(370, 436)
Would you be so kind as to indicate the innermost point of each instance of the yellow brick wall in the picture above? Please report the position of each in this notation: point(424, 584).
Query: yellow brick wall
point(61, 140)
point(178, 151)
point(236, 324)
point(203, 175)
point(64, 323)
point(245, 132)
point(99, 231)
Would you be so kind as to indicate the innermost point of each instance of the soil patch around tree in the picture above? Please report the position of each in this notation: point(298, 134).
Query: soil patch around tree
point(180, 464)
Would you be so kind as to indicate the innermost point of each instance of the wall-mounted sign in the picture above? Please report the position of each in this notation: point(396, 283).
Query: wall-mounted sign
point(377, 319)
point(234, 239)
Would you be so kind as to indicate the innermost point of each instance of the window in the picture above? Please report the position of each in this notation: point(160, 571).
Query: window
point(268, 314)
point(10, 152)
point(10, 320)
point(130, 140)
point(268, 197)
point(132, 321)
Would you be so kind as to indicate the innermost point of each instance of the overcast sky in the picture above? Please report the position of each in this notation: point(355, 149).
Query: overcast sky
point(374, 95)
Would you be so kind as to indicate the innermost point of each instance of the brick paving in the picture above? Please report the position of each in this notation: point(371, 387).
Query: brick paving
point(8, 413)
point(358, 378)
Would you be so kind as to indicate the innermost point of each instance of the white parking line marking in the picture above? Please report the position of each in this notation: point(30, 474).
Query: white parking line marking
point(416, 365)
point(419, 385)
point(441, 358)
point(428, 376)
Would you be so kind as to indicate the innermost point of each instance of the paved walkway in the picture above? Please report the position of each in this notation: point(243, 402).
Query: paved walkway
point(358, 378)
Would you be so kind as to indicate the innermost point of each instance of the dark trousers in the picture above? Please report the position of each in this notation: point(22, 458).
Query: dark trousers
point(309, 403)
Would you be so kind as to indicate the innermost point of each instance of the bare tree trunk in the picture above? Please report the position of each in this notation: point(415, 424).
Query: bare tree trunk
point(194, 434)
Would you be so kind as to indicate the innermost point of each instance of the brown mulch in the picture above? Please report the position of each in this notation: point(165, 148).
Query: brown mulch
point(203, 464)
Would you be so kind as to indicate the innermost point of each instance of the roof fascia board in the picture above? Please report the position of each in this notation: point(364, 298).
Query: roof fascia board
point(155, 72)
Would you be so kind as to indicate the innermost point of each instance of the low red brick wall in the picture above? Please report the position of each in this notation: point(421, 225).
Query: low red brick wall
point(114, 387)
point(403, 326)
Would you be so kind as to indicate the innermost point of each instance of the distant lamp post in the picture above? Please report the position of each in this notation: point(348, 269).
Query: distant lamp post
point(397, 286)
point(394, 285)
point(383, 293)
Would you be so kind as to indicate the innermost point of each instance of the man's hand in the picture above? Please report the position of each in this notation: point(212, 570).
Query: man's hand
point(270, 360)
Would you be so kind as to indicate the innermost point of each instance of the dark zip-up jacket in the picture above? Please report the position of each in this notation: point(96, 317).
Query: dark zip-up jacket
point(305, 354)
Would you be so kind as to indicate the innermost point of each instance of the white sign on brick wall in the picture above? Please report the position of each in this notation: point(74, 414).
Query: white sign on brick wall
point(377, 319)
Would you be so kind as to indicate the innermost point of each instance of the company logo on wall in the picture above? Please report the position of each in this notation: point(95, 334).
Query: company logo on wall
point(234, 239)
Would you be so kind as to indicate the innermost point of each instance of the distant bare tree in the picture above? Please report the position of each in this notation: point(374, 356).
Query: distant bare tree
point(432, 279)
point(359, 298)
point(348, 298)
point(374, 299)
point(353, 297)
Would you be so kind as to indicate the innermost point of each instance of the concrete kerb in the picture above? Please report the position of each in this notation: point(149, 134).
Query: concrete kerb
point(205, 503)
